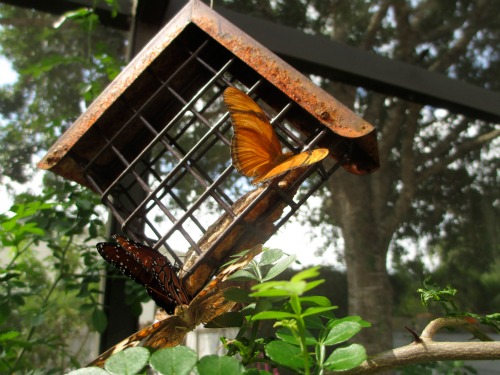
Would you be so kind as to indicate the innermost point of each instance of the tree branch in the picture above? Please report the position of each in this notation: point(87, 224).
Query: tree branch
point(460, 46)
point(460, 151)
point(428, 350)
point(408, 168)
point(443, 146)
point(391, 131)
point(375, 24)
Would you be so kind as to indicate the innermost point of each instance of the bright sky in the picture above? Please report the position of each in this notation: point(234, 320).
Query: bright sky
point(7, 76)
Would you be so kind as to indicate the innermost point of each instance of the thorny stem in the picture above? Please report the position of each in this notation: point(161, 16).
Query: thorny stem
point(428, 350)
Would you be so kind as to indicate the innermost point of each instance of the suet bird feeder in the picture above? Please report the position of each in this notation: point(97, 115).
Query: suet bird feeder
point(155, 145)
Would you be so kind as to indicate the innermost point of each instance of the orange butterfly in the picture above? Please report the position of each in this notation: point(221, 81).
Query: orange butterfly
point(255, 148)
point(206, 306)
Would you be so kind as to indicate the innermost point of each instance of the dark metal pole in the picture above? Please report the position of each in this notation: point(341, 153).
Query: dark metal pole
point(151, 16)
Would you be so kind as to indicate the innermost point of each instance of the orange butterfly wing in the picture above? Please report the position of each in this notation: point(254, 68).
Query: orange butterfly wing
point(295, 161)
point(255, 148)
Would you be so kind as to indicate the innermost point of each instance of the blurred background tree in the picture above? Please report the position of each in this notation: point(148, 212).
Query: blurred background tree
point(438, 185)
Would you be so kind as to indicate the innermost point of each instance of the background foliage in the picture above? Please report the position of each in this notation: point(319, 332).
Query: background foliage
point(49, 273)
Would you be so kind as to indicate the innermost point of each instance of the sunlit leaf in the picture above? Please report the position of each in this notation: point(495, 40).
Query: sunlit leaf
point(285, 354)
point(346, 358)
point(215, 365)
point(179, 360)
point(279, 267)
point(342, 332)
point(127, 362)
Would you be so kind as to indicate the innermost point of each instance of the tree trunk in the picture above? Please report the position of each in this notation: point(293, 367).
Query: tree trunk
point(366, 244)
point(369, 290)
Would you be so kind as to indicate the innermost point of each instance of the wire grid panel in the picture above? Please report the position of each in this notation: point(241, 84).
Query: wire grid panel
point(171, 149)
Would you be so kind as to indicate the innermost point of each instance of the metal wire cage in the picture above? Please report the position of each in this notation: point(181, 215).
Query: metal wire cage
point(156, 144)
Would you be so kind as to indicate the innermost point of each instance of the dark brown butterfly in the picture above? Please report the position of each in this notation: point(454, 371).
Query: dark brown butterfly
point(206, 306)
point(149, 268)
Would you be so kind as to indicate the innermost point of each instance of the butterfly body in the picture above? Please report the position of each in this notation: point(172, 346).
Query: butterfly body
point(147, 267)
point(255, 148)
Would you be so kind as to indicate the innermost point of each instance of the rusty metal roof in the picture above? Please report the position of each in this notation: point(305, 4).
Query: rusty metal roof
point(80, 142)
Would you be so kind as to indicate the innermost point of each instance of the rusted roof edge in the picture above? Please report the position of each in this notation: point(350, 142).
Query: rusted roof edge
point(294, 84)
point(329, 111)
point(116, 88)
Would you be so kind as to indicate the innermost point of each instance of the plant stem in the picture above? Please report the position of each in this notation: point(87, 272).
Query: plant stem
point(301, 327)
point(19, 253)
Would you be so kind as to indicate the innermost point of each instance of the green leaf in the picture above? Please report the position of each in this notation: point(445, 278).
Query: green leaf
point(9, 335)
point(32, 228)
point(317, 310)
point(6, 276)
point(88, 371)
point(127, 362)
point(243, 275)
point(5, 312)
point(215, 365)
point(346, 358)
point(18, 300)
point(254, 308)
point(285, 354)
point(99, 320)
point(273, 315)
point(313, 284)
point(285, 335)
point(179, 360)
point(314, 322)
point(309, 273)
point(279, 288)
point(352, 318)
point(271, 293)
point(270, 256)
point(263, 305)
point(46, 64)
point(318, 300)
point(9, 225)
point(342, 332)
point(279, 267)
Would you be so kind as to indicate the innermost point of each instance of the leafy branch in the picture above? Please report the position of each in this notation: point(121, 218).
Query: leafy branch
point(306, 330)
point(424, 349)
point(43, 299)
